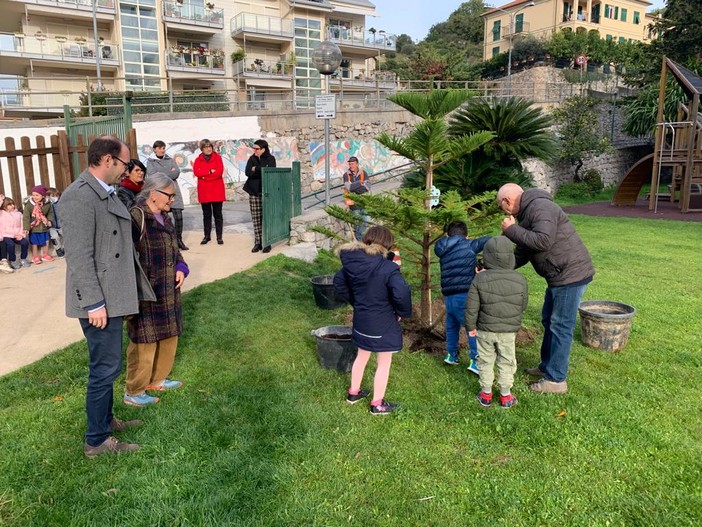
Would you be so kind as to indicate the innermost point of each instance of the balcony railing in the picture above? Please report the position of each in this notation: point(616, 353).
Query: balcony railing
point(260, 67)
point(183, 13)
point(524, 27)
point(361, 38)
point(40, 46)
point(359, 78)
point(107, 6)
point(195, 61)
point(261, 25)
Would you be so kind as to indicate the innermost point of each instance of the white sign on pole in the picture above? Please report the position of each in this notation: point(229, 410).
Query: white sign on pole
point(325, 106)
point(434, 193)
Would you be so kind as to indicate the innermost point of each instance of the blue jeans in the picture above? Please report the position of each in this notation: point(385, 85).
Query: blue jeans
point(105, 351)
point(455, 320)
point(361, 227)
point(10, 246)
point(558, 318)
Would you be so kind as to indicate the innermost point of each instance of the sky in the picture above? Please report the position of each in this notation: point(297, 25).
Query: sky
point(415, 17)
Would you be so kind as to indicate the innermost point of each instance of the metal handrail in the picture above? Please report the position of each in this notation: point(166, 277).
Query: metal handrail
point(377, 179)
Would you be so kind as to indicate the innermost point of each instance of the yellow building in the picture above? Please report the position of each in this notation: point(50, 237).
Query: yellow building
point(618, 20)
point(258, 50)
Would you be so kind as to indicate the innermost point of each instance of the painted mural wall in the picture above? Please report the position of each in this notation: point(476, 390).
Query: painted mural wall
point(235, 154)
point(372, 157)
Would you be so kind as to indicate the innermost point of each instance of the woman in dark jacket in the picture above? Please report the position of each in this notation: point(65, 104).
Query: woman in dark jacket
point(154, 332)
point(130, 186)
point(261, 158)
point(380, 297)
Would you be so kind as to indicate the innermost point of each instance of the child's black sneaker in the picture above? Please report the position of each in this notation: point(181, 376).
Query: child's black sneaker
point(383, 408)
point(352, 399)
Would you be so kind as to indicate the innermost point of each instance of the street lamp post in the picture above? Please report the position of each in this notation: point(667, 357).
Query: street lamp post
point(326, 57)
point(511, 34)
point(97, 47)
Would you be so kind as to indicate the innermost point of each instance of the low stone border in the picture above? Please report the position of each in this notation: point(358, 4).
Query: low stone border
point(300, 233)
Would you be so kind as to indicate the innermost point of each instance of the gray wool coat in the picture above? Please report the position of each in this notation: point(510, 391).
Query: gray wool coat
point(102, 264)
point(167, 166)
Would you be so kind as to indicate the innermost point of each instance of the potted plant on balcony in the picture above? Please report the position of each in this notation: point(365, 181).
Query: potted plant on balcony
point(237, 56)
point(289, 66)
point(80, 40)
point(210, 5)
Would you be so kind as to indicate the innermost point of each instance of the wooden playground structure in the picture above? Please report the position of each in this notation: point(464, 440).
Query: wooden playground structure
point(678, 145)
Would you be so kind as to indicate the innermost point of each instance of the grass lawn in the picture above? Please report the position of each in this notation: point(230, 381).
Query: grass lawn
point(260, 434)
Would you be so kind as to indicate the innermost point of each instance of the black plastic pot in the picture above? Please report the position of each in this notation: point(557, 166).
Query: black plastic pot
point(335, 348)
point(605, 324)
point(323, 291)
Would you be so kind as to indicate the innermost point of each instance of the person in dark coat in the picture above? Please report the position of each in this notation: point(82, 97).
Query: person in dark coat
point(458, 257)
point(130, 186)
point(496, 302)
point(208, 168)
point(545, 237)
point(380, 297)
point(154, 332)
point(261, 158)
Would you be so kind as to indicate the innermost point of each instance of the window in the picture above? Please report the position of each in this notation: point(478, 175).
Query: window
point(623, 18)
point(622, 40)
point(307, 78)
point(608, 38)
point(140, 44)
point(519, 23)
point(495, 51)
point(637, 18)
point(496, 30)
point(616, 12)
point(609, 11)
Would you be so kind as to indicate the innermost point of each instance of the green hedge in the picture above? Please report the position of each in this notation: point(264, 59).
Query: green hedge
point(111, 103)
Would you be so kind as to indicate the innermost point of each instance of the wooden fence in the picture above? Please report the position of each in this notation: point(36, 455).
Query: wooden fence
point(51, 166)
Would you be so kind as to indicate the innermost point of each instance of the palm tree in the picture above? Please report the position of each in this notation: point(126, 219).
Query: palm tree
point(521, 129)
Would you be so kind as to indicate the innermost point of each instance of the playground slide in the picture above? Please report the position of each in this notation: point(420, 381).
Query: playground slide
point(630, 185)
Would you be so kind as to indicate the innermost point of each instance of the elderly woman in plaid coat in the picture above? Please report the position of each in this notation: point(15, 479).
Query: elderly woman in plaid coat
point(154, 332)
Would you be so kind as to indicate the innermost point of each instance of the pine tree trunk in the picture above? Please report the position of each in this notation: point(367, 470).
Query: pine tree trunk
point(425, 313)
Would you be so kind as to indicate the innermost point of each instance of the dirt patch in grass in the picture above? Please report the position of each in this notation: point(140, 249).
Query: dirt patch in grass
point(433, 340)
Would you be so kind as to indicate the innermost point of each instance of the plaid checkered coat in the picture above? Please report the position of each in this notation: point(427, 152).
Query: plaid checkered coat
point(158, 255)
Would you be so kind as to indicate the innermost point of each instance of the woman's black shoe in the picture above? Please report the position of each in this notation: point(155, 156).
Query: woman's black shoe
point(267, 249)
point(256, 248)
point(220, 241)
point(182, 246)
point(205, 240)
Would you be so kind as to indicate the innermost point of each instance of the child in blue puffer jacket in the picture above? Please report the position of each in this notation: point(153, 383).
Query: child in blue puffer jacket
point(458, 257)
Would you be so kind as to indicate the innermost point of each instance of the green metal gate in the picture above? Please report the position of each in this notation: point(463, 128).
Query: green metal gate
point(117, 125)
point(281, 201)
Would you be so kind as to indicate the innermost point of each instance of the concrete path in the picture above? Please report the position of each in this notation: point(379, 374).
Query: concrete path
point(32, 301)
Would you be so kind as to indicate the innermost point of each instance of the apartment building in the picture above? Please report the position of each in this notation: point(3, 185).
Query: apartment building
point(618, 20)
point(259, 50)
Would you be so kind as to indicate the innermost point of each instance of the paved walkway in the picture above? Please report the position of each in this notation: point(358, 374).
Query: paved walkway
point(29, 334)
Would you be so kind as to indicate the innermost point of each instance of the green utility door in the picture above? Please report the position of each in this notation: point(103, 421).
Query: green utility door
point(281, 201)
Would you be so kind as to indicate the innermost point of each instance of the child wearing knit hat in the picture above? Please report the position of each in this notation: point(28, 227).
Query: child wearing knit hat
point(38, 218)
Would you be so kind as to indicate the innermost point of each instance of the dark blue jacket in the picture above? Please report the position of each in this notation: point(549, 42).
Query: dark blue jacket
point(376, 289)
point(458, 257)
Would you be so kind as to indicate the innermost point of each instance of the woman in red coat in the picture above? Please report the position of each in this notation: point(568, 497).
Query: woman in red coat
point(208, 168)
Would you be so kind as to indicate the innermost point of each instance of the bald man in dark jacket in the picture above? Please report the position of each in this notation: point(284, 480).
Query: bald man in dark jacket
point(546, 237)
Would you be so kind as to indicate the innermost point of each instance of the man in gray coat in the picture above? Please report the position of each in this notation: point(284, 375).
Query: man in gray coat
point(102, 271)
point(546, 237)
